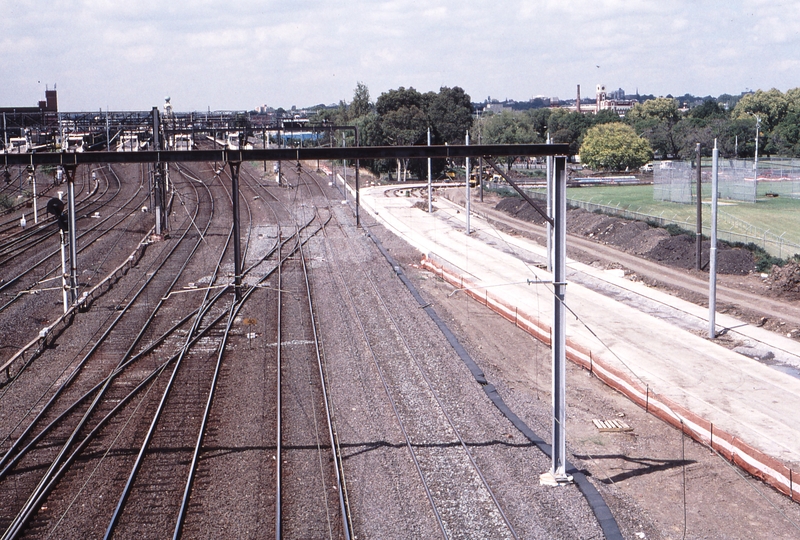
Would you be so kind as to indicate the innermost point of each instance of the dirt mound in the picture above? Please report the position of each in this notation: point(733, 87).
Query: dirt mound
point(423, 205)
point(640, 238)
point(520, 209)
point(786, 279)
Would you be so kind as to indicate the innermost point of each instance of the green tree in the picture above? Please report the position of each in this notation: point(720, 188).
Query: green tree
point(508, 128)
point(450, 115)
point(770, 106)
point(614, 147)
point(654, 120)
point(360, 105)
point(568, 127)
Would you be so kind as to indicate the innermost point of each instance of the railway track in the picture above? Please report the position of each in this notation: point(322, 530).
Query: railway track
point(116, 338)
point(171, 407)
point(32, 281)
point(441, 456)
point(82, 429)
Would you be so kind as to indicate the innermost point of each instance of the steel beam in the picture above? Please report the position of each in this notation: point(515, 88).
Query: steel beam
point(73, 248)
point(558, 474)
point(286, 154)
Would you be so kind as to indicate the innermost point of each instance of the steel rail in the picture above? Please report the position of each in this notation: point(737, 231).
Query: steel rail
point(439, 402)
point(182, 514)
point(34, 233)
point(40, 240)
point(343, 508)
point(392, 402)
point(25, 514)
point(86, 246)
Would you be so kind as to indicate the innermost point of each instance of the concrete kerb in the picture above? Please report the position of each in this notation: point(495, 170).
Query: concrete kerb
point(740, 453)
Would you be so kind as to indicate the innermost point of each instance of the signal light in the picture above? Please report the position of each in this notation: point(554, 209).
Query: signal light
point(55, 206)
point(63, 222)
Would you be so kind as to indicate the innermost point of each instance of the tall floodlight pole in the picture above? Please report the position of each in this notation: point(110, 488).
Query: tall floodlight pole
point(712, 257)
point(558, 474)
point(430, 178)
point(699, 233)
point(466, 174)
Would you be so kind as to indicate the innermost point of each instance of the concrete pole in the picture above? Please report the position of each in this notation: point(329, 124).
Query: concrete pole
point(712, 259)
point(430, 179)
point(549, 210)
point(469, 231)
point(699, 233)
point(237, 249)
point(557, 474)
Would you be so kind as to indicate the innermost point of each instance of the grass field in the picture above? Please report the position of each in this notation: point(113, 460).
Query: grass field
point(772, 223)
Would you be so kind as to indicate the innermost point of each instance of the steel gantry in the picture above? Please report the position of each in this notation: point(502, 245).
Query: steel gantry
point(557, 474)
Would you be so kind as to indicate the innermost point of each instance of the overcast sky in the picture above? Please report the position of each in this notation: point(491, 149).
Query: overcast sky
point(129, 55)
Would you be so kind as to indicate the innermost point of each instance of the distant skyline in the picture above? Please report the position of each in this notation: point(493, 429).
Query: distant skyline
point(206, 54)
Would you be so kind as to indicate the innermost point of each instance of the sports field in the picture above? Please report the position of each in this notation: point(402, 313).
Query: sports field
point(772, 222)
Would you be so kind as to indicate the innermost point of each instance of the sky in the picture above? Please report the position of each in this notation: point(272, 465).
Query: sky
point(130, 55)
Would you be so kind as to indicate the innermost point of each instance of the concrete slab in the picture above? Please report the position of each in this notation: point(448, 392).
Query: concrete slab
point(645, 341)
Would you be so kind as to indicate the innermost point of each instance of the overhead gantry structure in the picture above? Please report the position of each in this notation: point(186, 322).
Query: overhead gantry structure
point(70, 161)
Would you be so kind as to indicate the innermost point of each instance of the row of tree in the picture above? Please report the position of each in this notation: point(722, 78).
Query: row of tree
point(403, 117)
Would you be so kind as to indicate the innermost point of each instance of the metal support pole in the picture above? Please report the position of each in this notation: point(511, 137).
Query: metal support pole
point(358, 197)
point(699, 233)
point(344, 167)
point(755, 165)
point(157, 177)
point(480, 169)
point(712, 257)
point(64, 286)
point(557, 474)
point(430, 179)
point(549, 210)
point(33, 185)
point(237, 249)
point(466, 174)
point(157, 195)
point(73, 251)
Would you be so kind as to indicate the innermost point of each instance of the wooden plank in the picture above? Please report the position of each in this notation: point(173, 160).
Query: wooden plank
point(613, 426)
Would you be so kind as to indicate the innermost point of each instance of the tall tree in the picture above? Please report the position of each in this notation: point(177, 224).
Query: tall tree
point(361, 105)
point(614, 147)
point(450, 115)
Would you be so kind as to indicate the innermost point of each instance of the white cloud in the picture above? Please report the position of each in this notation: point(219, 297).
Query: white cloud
point(128, 55)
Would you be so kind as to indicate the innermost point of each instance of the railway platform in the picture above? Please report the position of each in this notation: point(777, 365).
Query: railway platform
point(644, 343)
